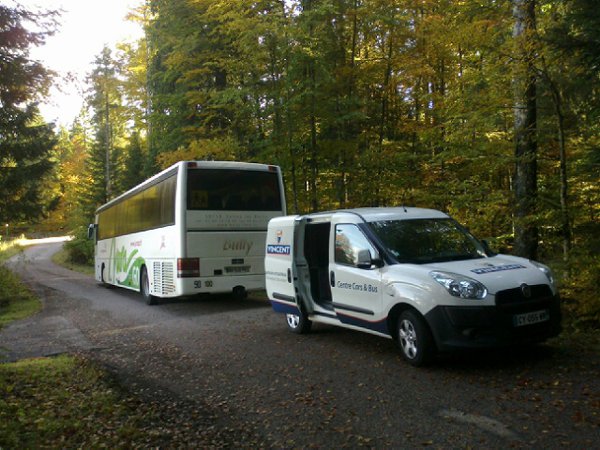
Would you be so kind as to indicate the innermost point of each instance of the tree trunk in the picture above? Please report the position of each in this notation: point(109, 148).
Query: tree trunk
point(524, 85)
point(380, 162)
point(564, 187)
point(108, 148)
point(289, 125)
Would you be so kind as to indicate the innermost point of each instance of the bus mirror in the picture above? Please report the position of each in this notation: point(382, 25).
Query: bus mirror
point(92, 230)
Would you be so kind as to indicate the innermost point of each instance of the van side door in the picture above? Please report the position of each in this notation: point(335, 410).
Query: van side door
point(355, 281)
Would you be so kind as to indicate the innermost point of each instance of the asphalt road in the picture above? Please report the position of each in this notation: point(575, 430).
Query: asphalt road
point(244, 373)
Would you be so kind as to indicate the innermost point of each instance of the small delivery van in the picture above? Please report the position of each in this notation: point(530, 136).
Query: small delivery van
point(411, 274)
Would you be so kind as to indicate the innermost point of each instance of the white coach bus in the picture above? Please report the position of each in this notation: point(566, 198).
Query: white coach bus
point(196, 227)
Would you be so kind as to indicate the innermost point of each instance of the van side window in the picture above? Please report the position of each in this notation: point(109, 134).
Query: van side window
point(349, 239)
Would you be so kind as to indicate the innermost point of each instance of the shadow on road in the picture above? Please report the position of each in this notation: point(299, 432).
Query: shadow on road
point(202, 304)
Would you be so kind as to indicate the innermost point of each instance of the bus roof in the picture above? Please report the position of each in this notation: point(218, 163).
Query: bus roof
point(192, 165)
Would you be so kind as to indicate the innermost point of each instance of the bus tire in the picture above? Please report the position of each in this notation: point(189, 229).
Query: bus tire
point(145, 288)
point(239, 293)
point(414, 338)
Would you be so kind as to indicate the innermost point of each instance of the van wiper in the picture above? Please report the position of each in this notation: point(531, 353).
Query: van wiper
point(463, 257)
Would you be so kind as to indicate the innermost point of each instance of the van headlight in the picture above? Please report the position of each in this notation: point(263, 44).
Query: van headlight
point(459, 285)
point(545, 269)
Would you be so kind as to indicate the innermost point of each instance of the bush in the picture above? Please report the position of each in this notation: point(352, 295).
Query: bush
point(579, 291)
point(80, 248)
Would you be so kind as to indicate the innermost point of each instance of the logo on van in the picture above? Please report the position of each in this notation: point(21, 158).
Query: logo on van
point(273, 249)
point(279, 234)
point(498, 268)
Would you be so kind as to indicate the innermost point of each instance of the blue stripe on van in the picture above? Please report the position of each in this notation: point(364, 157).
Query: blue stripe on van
point(284, 307)
point(380, 326)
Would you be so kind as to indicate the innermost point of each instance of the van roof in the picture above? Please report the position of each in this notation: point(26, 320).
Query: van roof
point(386, 213)
point(396, 213)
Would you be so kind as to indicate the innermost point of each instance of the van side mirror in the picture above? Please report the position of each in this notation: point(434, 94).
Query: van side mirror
point(365, 261)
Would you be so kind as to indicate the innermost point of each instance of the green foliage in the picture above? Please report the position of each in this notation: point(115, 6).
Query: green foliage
point(134, 158)
point(580, 292)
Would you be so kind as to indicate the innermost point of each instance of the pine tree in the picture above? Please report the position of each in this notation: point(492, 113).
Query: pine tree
point(25, 140)
point(104, 164)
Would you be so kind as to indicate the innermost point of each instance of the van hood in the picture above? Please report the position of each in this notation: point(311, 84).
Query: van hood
point(496, 273)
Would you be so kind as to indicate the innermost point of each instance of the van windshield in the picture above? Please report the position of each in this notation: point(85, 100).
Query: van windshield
point(423, 241)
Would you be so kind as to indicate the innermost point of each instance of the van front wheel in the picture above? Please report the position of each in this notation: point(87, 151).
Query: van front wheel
point(298, 323)
point(414, 338)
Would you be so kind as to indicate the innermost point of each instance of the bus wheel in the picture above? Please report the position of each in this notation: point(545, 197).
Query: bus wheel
point(298, 323)
point(414, 339)
point(145, 288)
point(239, 293)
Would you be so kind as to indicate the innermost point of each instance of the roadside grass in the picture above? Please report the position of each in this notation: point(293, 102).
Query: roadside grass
point(16, 300)
point(10, 248)
point(68, 402)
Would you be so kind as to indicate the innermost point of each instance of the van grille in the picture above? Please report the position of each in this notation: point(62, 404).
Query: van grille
point(513, 301)
point(163, 278)
point(513, 297)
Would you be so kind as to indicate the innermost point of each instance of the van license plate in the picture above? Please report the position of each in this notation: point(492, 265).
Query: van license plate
point(520, 320)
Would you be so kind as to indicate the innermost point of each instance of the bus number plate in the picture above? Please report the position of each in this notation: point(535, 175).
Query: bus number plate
point(237, 269)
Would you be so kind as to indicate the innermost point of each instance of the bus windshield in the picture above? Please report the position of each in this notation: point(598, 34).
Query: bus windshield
point(423, 241)
point(233, 190)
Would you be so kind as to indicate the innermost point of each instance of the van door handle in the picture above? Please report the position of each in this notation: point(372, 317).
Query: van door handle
point(289, 275)
point(332, 278)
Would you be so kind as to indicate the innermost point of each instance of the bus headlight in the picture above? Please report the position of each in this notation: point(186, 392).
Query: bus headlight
point(459, 285)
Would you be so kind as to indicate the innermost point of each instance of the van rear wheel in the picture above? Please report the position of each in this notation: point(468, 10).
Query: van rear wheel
point(298, 323)
point(414, 338)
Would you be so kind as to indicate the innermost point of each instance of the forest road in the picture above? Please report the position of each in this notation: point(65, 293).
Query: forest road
point(237, 363)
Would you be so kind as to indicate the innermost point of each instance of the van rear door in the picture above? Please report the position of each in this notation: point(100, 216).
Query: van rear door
point(279, 267)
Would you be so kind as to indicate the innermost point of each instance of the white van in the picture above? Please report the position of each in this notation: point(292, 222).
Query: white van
point(411, 274)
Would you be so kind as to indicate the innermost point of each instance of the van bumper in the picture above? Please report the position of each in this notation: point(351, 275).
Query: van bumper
point(473, 327)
